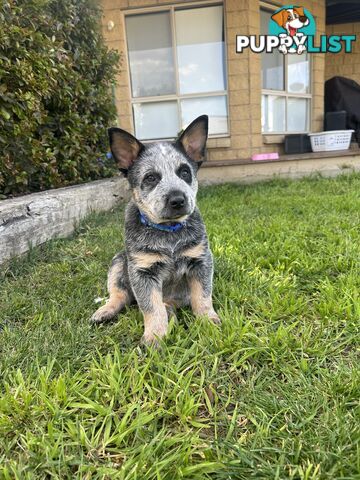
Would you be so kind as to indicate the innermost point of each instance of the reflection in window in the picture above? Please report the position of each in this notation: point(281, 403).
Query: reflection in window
point(273, 114)
point(155, 120)
point(198, 34)
point(272, 64)
point(150, 54)
point(200, 49)
point(298, 73)
point(194, 107)
point(297, 114)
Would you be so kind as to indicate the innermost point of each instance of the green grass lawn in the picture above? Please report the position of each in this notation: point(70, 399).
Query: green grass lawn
point(271, 394)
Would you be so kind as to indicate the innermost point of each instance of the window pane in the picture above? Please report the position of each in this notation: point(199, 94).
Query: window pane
point(273, 113)
point(215, 107)
point(200, 49)
point(298, 73)
point(156, 120)
point(150, 54)
point(297, 114)
point(272, 64)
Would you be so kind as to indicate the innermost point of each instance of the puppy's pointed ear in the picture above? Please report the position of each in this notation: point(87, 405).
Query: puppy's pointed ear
point(193, 139)
point(124, 147)
point(280, 17)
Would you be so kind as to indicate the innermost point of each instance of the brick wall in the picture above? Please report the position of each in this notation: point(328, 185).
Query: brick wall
point(244, 75)
point(344, 64)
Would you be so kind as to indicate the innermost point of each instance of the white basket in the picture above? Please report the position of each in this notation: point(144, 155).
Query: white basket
point(331, 140)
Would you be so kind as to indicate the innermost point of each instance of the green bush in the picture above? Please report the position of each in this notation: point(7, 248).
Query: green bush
point(56, 100)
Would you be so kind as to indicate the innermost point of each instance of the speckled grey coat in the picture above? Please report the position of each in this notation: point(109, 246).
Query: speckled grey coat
point(161, 269)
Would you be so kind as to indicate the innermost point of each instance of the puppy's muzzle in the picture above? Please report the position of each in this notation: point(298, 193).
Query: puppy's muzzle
point(177, 204)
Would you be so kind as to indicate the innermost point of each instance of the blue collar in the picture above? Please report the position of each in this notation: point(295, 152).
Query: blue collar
point(160, 226)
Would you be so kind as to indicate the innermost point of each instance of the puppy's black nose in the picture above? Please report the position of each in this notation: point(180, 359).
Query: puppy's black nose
point(176, 200)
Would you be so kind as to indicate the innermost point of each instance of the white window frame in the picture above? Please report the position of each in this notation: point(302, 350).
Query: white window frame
point(177, 96)
point(284, 93)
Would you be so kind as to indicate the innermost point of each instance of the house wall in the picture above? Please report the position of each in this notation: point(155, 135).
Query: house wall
point(244, 76)
point(346, 65)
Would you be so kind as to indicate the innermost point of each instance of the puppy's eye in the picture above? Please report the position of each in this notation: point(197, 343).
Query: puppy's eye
point(150, 178)
point(289, 18)
point(185, 174)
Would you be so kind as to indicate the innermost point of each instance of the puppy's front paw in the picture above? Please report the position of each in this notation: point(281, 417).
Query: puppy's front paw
point(214, 317)
point(153, 335)
point(151, 340)
point(103, 314)
point(210, 315)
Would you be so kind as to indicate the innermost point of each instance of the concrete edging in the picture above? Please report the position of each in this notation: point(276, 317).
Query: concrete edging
point(34, 219)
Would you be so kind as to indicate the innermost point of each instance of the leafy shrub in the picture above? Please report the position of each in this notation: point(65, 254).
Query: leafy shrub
point(56, 101)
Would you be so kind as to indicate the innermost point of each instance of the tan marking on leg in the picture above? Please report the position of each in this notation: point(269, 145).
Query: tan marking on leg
point(115, 272)
point(116, 302)
point(201, 305)
point(118, 298)
point(147, 260)
point(155, 321)
point(194, 252)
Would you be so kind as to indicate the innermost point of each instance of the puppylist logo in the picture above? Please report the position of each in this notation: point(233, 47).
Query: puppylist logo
point(292, 30)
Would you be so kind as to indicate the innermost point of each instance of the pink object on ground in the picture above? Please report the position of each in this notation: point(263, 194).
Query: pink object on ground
point(265, 156)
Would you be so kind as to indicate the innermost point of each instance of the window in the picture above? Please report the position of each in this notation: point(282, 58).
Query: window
point(177, 70)
point(286, 97)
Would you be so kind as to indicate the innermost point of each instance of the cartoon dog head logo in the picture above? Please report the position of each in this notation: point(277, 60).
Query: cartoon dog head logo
point(291, 19)
point(292, 30)
point(293, 24)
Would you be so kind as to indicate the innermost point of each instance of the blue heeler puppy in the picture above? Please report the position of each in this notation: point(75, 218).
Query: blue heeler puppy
point(167, 262)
